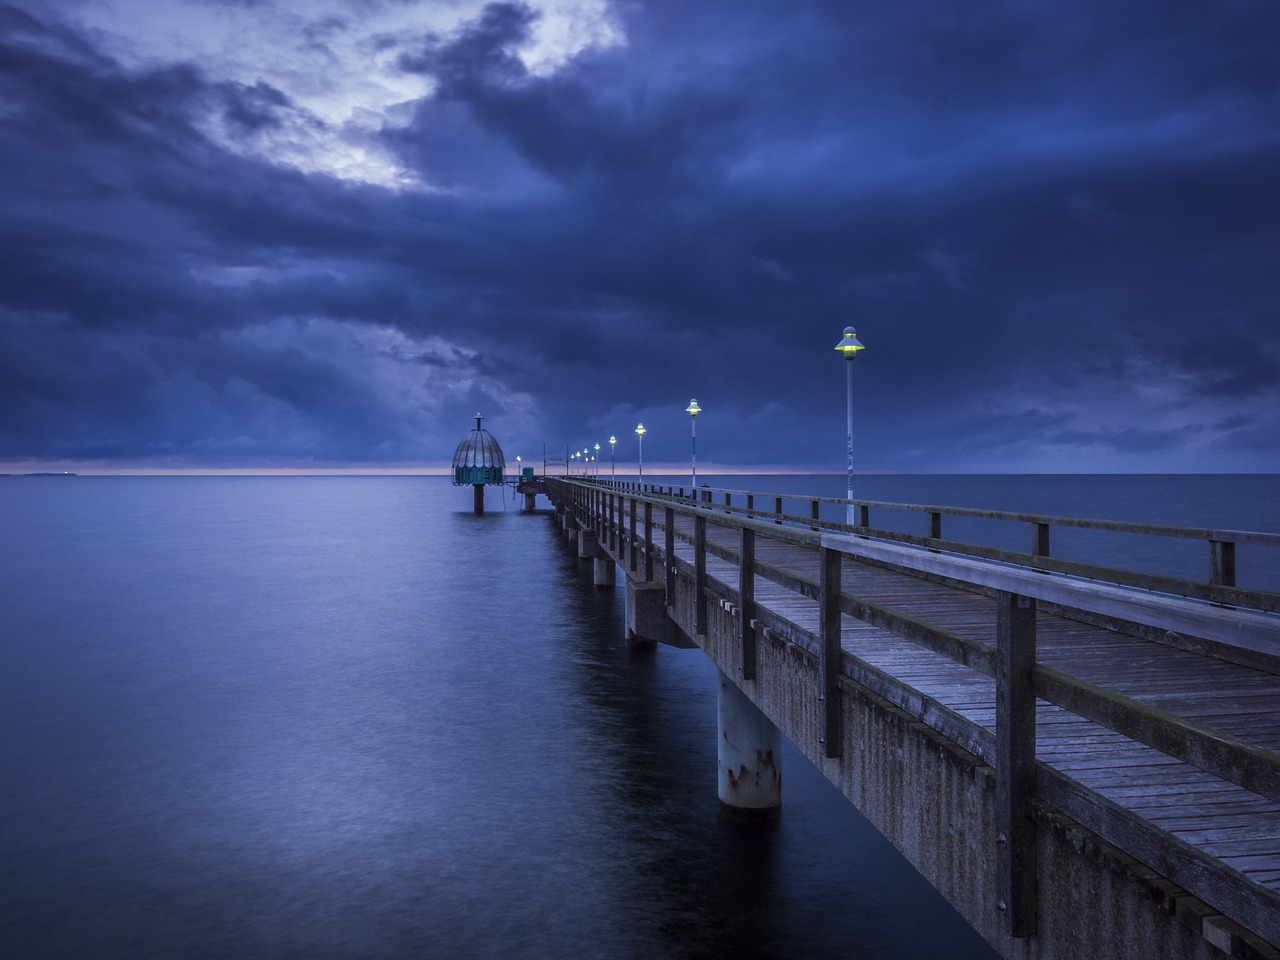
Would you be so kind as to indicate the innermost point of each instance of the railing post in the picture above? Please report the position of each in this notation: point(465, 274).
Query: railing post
point(648, 543)
point(728, 502)
point(631, 542)
point(777, 508)
point(700, 575)
point(1016, 762)
point(747, 596)
point(864, 515)
point(813, 513)
point(935, 525)
point(1222, 563)
point(751, 503)
point(1040, 539)
point(669, 552)
point(832, 653)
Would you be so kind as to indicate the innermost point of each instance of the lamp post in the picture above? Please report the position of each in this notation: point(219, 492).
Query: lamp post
point(613, 459)
point(849, 345)
point(640, 431)
point(693, 410)
point(596, 460)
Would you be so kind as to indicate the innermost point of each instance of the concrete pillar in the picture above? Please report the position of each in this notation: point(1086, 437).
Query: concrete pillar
point(479, 497)
point(529, 500)
point(749, 757)
point(604, 572)
point(586, 543)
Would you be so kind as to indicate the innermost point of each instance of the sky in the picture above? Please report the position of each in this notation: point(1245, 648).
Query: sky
point(323, 234)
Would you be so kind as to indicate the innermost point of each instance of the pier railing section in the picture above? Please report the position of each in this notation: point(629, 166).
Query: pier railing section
point(629, 518)
point(1219, 585)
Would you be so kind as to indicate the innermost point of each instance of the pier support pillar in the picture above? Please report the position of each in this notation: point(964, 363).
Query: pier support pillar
point(478, 503)
point(586, 543)
point(529, 500)
point(749, 757)
point(604, 573)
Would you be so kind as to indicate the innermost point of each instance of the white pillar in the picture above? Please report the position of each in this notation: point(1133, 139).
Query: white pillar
point(749, 757)
point(604, 572)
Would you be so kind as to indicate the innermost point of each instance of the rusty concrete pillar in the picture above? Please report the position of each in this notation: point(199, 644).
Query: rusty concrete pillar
point(749, 757)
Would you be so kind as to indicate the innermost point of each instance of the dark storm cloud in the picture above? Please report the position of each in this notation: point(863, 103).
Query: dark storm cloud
point(1056, 232)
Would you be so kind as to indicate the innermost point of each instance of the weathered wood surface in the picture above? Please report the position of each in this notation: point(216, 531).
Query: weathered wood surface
point(1222, 839)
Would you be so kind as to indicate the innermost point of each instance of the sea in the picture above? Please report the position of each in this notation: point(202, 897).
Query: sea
point(250, 718)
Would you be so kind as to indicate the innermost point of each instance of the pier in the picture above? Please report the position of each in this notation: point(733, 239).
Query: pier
point(1085, 761)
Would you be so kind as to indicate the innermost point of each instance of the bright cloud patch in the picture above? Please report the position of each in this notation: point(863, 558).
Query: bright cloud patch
point(327, 72)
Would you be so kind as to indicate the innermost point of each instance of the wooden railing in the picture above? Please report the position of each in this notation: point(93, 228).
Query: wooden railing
point(614, 510)
point(1219, 586)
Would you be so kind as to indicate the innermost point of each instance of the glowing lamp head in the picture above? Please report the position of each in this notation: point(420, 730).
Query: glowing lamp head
point(849, 345)
point(693, 409)
point(640, 431)
point(597, 448)
point(613, 441)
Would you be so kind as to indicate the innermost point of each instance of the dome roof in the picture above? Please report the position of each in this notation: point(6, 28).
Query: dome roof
point(478, 458)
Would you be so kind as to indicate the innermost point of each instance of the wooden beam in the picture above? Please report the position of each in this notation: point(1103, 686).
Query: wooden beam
point(669, 552)
point(700, 575)
point(1016, 762)
point(631, 542)
point(832, 652)
point(1222, 563)
point(747, 600)
point(648, 542)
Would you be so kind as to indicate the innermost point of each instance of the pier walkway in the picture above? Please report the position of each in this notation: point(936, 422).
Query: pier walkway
point(1085, 761)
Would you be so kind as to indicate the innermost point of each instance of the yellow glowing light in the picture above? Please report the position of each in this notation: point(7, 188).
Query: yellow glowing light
point(849, 345)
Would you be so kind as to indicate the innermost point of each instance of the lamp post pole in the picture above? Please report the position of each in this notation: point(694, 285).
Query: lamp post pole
point(693, 410)
point(613, 459)
point(596, 460)
point(640, 431)
point(849, 345)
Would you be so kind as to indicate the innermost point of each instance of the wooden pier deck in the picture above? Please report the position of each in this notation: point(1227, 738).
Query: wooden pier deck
point(1151, 719)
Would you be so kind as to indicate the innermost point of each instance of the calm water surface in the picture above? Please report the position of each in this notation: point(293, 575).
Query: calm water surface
point(342, 717)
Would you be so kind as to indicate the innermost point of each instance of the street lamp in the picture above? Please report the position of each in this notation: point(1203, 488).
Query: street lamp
point(693, 410)
point(640, 433)
point(613, 459)
point(849, 345)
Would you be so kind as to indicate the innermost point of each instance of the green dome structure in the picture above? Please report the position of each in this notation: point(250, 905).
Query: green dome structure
point(478, 462)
